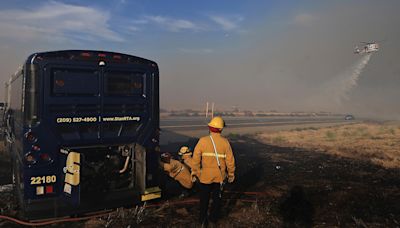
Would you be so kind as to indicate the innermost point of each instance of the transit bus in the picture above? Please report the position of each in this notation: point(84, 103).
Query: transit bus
point(82, 129)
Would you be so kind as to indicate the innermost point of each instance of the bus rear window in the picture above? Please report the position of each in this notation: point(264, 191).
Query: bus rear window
point(119, 83)
point(75, 82)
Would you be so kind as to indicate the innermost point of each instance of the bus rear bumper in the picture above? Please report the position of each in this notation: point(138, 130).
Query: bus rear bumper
point(60, 207)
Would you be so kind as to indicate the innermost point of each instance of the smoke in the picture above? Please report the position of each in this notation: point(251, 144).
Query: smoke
point(339, 88)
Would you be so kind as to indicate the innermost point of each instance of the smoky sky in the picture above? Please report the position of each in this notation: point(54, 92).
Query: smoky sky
point(286, 66)
point(283, 61)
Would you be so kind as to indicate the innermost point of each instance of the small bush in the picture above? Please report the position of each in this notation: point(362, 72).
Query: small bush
point(346, 134)
point(366, 135)
point(382, 130)
point(279, 139)
point(373, 137)
point(361, 130)
point(331, 136)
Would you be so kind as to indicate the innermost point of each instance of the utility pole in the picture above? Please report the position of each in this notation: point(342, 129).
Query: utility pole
point(206, 109)
point(212, 110)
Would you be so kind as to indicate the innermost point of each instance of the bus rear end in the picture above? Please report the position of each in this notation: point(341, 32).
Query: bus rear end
point(90, 134)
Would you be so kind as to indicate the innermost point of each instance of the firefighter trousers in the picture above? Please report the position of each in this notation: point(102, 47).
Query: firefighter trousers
point(207, 190)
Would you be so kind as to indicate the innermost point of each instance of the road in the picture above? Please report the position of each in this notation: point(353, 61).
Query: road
point(194, 123)
point(179, 129)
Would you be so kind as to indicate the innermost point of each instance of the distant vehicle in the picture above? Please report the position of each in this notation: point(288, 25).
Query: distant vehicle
point(82, 129)
point(349, 117)
point(368, 47)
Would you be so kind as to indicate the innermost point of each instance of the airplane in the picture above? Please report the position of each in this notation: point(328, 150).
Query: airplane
point(368, 47)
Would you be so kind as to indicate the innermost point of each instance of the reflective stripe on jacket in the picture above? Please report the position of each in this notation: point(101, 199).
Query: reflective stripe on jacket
point(179, 172)
point(205, 165)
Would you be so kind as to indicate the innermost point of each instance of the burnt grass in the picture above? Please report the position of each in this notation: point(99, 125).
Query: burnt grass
point(313, 188)
point(303, 188)
point(296, 188)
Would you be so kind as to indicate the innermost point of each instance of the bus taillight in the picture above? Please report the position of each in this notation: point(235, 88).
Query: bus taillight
point(36, 148)
point(30, 137)
point(39, 190)
point(45, 157)
point(49, 189)
point(29, 158)
point(42, 190)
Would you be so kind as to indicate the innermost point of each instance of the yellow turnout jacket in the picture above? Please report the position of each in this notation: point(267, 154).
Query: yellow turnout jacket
point(205, 165)
point(179, 172)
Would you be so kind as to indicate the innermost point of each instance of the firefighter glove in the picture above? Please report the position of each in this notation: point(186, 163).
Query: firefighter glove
point(231, 179)
point(193, 177)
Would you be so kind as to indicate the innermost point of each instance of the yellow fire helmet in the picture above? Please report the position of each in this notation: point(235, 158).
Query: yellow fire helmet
point(217, 122)
point(184, 151)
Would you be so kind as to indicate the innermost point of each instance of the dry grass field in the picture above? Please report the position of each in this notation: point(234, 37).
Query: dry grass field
point(378, 143)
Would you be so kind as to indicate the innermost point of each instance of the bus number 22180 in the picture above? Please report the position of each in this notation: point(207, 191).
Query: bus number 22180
point(43, 180)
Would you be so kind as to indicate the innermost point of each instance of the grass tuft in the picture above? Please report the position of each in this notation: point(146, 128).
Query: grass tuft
point(331, 136)
point(278, 139)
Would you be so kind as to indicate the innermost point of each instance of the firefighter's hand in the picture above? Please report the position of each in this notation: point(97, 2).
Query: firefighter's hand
point(231, 179)
point(193, 177)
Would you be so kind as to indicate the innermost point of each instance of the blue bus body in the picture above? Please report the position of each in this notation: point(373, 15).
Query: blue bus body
point(82, 128)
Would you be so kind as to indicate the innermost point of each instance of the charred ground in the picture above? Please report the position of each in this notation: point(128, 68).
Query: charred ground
point(296, 187)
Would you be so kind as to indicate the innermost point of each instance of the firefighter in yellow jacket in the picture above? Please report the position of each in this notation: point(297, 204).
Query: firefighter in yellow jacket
point(213, 161)
point(186, 156)
point(176, 170)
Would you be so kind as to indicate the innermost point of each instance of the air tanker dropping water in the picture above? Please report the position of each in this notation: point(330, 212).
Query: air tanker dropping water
point(348, 80)
point(356, 71)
